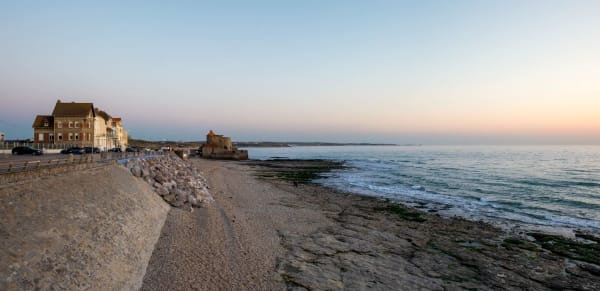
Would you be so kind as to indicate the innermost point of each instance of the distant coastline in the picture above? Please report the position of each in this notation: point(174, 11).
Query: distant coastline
point(253, 144)
point(249, 144)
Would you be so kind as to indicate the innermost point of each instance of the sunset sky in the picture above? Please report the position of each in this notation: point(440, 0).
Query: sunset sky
point(431, 72)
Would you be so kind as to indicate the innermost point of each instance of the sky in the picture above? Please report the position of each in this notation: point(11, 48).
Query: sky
point(428, 72)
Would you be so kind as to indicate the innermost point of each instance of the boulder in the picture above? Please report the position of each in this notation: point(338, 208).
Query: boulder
point(192, 200)
point(182, 198)
point(162, 191)
point(178, 204)
point(177, 181)
point(169, 198)
point(160, 178)
point(136, 171)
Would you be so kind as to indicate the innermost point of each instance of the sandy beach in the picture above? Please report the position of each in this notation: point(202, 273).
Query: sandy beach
point(265, 232)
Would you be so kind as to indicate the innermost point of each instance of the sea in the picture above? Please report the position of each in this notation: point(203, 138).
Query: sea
point(553, 188)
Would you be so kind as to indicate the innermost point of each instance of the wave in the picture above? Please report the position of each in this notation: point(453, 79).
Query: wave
point(571, 221)
point(557, 183)
point(475, 206)
point(529, 185)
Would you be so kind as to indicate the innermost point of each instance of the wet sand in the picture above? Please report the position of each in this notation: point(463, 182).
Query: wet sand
point(271, 231)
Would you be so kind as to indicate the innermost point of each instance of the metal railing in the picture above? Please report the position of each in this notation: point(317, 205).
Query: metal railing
point(10, 145)
point(20, 166)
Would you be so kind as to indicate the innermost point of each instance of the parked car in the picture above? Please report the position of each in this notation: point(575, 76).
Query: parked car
point(91, 150)
point(116, 150)
point(132, 150)
point(73, 150)
point(26, 150)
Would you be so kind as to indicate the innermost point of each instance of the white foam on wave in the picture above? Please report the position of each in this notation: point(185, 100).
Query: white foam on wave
point(566, 221)
point(481, 208)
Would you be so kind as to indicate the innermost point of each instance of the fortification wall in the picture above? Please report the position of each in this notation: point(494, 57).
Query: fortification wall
point(219, 141)
point(84, 229)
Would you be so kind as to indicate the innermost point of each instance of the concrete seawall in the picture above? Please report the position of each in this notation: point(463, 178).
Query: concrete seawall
point(83, 229)
point(6, 178)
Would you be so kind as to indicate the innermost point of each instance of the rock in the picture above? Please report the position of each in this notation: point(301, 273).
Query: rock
point(207, 200)
point(182, 198)
point(136, 171)
point(177, 181)
point(169, 198)
point(160, 179)
point(162, 191)
point(203, 193)
point(192, 200)
point(182, 192)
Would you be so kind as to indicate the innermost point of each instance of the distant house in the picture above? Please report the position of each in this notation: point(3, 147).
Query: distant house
point(73, 123)
point(110, 131)
point(220, 147)
point(119, 134)
point(1, 136)
point(43, 129)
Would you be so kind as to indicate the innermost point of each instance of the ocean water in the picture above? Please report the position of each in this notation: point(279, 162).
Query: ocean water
point(531, 186)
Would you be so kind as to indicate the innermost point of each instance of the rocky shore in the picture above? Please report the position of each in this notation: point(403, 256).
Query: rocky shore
point(375, 244)
point(269, 229)
point(262, 226)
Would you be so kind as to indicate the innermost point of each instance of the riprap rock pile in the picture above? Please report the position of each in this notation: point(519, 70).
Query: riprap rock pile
point(174, 179)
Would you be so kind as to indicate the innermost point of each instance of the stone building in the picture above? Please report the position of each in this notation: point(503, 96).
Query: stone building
point(221, 147)
point(79, 124)
point(1, 136)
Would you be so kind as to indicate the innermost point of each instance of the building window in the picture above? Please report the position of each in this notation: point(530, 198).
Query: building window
point(59, 124)
point(89, 137)
point(40, 137)
point(76, 136)
point(89, 125)
point(60, 136)
point(70, 124)
point(52, 137)
point(46, 123)
point(70, 136)
point(76, 124)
